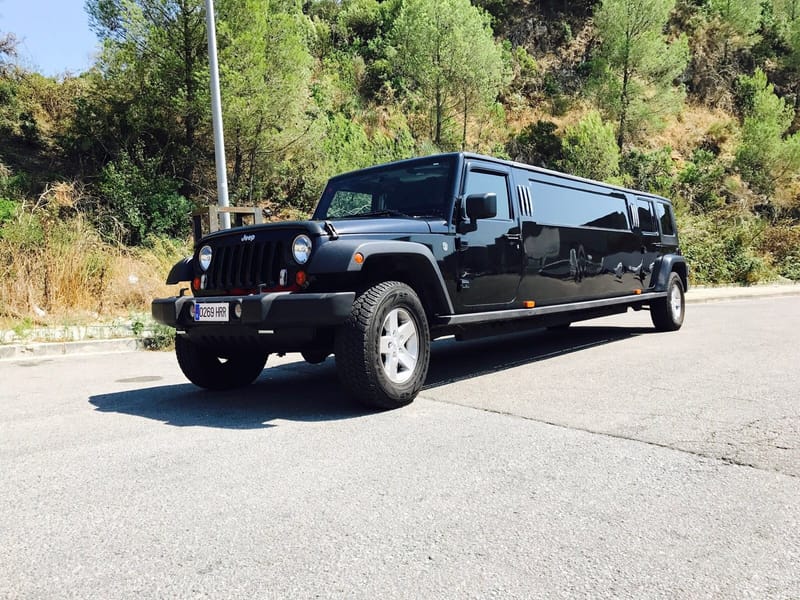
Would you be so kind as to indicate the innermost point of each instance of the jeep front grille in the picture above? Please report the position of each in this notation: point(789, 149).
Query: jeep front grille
point(245, 266)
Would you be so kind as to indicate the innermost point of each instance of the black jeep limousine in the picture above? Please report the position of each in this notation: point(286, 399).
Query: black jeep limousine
point(400, 254)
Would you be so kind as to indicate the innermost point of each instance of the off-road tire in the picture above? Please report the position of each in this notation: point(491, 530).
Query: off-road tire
point(667, 313)
point(367, 372)
point(206, 370)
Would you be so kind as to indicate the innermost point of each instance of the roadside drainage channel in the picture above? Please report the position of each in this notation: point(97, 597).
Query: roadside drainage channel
point(73, 339)
point(43, 349)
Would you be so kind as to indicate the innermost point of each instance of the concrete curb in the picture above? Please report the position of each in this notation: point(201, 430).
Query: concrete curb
point(695, 295)
point(44, 349)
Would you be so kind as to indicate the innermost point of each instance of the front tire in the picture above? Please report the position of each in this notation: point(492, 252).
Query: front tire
point(667, 313)
point(383, 349)
point(208, 371)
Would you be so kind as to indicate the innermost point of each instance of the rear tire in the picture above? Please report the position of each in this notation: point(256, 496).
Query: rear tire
point(383, 349)
point(667, 313)
point(208, 371)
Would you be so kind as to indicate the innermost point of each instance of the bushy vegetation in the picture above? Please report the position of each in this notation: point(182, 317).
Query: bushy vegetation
point(97, 170)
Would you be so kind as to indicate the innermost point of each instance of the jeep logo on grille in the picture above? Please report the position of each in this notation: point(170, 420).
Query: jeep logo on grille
point(248, 238)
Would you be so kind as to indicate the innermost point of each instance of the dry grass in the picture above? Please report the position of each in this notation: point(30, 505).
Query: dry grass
point(54, 266)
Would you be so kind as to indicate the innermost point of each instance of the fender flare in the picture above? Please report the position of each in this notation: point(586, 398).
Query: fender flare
point(181, 271)
point(338, 257)
point(669, 263)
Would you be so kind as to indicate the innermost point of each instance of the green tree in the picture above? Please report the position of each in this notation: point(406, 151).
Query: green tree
point(738, 21)
point(636, 67)
point(141, 200)
point(446, 60)
point(590, 149)
point(787, 10)
point(767, 157)
point(265, 72)
point(152, 87)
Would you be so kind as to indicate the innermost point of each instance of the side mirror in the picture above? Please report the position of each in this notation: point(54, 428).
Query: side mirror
point(482, 206)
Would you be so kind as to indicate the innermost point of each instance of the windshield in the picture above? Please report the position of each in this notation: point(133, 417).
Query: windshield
point(420, 189)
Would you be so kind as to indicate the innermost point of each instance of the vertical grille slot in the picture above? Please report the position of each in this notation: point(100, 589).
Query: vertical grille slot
point(267, 272)
point(245, 266)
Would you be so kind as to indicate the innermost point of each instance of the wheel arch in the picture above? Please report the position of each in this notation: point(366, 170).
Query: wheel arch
point(672, 263)
point(416, 272)
point(182, 270)
point(388, 260)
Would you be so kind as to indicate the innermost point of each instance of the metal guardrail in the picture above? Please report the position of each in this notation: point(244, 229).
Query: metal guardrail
point(207, 220)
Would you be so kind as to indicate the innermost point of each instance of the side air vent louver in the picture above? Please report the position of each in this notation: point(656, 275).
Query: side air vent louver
point(525, 201)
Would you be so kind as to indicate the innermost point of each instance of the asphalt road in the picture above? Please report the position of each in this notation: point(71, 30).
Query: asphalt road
point(612, 461)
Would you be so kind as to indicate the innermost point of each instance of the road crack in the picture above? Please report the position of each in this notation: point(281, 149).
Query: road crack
point(727, 460)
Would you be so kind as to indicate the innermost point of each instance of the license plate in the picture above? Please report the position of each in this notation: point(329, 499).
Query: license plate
point(211, 312)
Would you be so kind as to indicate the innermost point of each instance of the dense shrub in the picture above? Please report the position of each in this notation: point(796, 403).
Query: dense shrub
point(701, 181)
point(144, 200)
point(649, 171)
point(722, 248)
point(783, 244)
point(8, 208)
point(537, 144)
point(590, 149)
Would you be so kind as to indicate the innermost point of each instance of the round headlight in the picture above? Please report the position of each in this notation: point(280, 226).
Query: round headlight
point(204, 256)
point(301, 249)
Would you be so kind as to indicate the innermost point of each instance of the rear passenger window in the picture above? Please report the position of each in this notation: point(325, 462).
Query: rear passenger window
point(570, 207)
point(665, 218)
point(646, 220)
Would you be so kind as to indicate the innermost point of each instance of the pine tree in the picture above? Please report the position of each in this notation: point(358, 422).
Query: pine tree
point(636, 67)
point(446, 60)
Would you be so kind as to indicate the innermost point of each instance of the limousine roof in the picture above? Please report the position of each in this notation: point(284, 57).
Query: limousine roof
point(516, 165)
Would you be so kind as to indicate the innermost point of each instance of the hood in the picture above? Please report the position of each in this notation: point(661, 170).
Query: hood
point(317, 228)
point(380, 225)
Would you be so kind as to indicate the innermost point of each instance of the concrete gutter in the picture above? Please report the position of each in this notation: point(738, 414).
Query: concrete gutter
point(48, 349)
point(26, 350)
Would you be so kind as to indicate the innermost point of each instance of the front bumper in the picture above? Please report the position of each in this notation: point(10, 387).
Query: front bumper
point(277, 310)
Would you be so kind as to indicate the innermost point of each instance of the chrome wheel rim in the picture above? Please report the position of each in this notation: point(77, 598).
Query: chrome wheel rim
point(676, 301)
point(399, 345)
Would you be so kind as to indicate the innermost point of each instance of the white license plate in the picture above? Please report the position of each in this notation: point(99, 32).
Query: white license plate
point(211, 312)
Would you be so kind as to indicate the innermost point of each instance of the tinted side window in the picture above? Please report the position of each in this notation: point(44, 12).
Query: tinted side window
point(480, 182)
point(646, 221)
point(665, 218)
point(570, 207)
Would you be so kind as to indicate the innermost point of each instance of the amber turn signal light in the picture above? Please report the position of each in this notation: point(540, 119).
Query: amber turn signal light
point(529, 304)
point(358, 257)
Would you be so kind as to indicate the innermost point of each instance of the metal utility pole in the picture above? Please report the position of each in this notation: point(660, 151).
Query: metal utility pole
point(216, 114)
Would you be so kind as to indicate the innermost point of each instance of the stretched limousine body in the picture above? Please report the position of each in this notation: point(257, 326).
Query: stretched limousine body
point(399, 254)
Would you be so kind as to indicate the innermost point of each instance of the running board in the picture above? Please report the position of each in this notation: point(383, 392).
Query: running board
point(524, 313)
